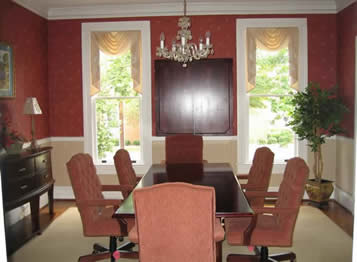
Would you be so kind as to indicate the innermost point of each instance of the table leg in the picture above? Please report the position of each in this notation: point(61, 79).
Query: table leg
point(35, 213)
point(219, 251)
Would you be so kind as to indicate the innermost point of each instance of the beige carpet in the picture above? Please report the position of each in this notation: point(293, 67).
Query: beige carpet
point(316, 239)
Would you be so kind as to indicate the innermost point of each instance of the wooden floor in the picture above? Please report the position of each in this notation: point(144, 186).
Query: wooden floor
point(20, 233)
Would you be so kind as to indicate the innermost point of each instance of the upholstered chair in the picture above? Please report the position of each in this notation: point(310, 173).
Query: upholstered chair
point(125, 171)
point(259, 175)
point(95, 211)
point(183, 148)
point(272, 226)
point(176, 222)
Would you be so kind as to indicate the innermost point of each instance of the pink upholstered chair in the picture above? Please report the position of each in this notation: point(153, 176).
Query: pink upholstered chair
point(273, 226)
point(259, 175)
point(184, 148)
point(125, 171)
point(176, 222)
point(95, 211)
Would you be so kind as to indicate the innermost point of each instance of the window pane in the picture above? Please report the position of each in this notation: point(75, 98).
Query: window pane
point(272, 75)
point(118, 126)
point(267, 127)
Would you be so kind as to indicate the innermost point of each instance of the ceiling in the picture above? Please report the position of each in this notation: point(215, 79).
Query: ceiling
point(71, 9)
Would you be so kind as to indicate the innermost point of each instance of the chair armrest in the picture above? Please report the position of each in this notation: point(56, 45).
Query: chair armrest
point(218, 231)
point(133, 235)
point(126, 188)
point(99, 202)
point(253, 194)
point(242, 176)
point(273, 210)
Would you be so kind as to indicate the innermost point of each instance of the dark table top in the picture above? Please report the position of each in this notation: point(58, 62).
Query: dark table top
point(230, 199)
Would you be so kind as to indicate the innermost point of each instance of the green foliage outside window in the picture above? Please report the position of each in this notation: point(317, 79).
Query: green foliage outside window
point(272, 79)
point(115, 81)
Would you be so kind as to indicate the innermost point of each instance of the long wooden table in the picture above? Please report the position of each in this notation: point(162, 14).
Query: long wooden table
point(230, 199)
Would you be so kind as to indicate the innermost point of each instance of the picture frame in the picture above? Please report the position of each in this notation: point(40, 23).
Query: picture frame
point(7, 79)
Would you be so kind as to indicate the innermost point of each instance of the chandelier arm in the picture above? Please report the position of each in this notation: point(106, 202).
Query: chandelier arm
point(184, 51)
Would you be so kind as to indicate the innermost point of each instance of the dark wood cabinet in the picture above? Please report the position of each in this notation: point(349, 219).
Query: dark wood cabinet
point(25, 177)
point(197, 99)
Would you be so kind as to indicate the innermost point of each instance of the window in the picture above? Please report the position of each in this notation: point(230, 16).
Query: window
point(272, 55)
point(117, 92)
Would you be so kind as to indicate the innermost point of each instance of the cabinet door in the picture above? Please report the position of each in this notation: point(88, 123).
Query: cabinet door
point(196, 99)
point(213, 98)
point(174, 99)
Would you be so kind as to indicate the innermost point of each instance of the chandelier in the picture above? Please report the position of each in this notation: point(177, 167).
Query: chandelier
point(184, 51)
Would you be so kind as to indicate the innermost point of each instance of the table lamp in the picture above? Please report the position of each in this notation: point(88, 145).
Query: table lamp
point(32, 108)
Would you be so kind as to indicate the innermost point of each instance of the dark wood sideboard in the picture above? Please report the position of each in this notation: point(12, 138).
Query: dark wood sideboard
point(25, 177)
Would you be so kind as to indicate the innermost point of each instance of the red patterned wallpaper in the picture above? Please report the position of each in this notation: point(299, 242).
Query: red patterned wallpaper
point(27, 34)
point(65, 83)
point(346, 64)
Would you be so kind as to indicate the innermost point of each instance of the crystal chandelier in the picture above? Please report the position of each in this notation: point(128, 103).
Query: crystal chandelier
point(184, 51)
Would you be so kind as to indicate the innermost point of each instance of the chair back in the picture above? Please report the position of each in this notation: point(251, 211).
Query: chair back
point(124, 168)
point(175, 222)
point(260, 173)
point(86, 186)
point(184, 148)
point(291, 191)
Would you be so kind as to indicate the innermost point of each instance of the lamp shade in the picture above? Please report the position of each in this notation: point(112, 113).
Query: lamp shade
point(32, 107)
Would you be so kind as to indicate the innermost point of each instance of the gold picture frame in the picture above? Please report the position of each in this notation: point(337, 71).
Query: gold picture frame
point(7, 79)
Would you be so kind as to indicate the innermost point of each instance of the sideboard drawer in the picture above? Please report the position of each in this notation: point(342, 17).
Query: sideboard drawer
point(44, 177)
point(43, 162)
point(19, 169)
point(19, 188)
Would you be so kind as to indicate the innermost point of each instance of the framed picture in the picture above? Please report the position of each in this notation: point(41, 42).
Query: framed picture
point(7, 83)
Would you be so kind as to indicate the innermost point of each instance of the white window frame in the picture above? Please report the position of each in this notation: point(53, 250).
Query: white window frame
point(244, 163)
point(88, 102)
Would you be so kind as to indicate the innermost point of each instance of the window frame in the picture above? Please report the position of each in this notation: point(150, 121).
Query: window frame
point(89, 122)
point(243, 98)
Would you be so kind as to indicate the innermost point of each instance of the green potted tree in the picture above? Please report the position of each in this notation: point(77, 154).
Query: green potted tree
point(317, 113)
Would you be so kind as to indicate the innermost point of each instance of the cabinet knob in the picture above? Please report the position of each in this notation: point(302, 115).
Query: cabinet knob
point(23, 187)
point(22, 169)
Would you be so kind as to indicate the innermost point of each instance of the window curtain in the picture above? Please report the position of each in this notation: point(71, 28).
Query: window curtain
point(116, 43)
point(272, 39)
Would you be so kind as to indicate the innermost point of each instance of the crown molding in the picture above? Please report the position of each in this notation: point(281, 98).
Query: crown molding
point(194, 8)
point(342, 4)
point(38, 10)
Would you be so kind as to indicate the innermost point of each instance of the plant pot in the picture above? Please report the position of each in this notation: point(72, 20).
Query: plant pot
point(319, 192)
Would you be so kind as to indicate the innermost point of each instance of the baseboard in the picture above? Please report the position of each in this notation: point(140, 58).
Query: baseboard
point(343, 198)
point(66, 192)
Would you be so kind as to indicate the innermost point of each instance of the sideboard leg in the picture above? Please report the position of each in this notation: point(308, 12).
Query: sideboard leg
point(35, 213)
point(50, 200)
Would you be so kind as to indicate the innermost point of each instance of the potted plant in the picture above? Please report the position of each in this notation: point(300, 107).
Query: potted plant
point(317, 113)
point(10, 140)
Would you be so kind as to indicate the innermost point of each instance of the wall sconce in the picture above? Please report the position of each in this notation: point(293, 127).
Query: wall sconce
point(32, 108)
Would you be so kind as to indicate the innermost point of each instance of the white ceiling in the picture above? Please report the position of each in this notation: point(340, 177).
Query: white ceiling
point(69, 9)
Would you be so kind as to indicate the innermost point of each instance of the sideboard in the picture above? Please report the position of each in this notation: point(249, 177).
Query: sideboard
point(25, 177)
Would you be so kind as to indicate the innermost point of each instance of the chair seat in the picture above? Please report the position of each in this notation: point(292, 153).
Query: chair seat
point(266, 232)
